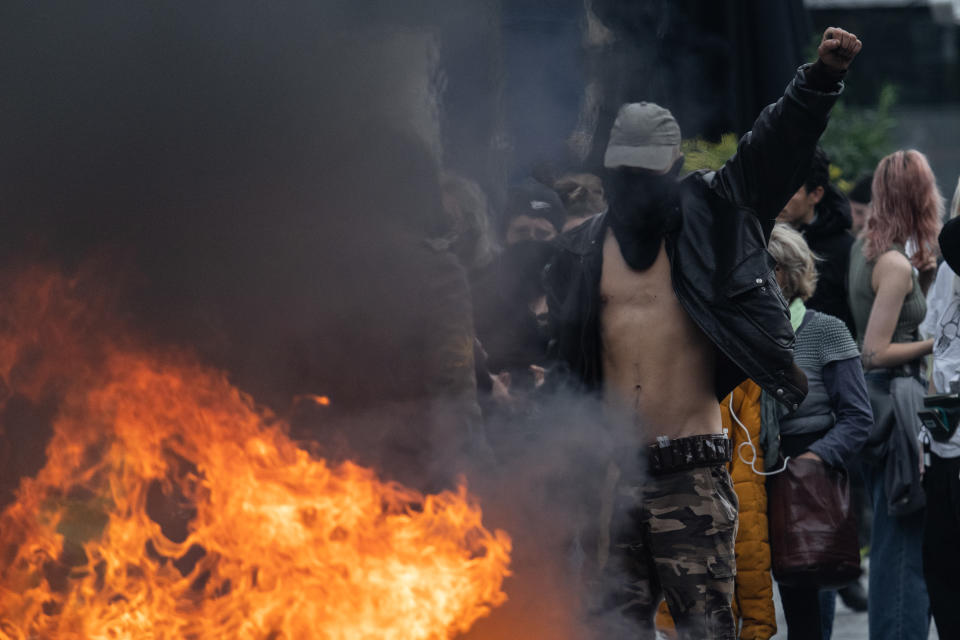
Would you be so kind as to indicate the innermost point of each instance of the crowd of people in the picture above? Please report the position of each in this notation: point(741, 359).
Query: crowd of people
point(741, 323)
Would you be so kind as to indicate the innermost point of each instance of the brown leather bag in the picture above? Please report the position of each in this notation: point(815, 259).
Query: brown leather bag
point(813, 531)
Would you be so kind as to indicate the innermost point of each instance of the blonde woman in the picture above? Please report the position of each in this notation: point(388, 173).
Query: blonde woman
point(833, 421)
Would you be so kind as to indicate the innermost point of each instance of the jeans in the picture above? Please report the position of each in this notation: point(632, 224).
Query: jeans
point(899, 606)
point(828, 609)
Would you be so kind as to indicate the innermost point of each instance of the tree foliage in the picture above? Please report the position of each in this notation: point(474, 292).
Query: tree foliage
point(858, 137)
point(702, 154)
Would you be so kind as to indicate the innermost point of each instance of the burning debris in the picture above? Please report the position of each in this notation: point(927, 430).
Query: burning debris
point(172, 506)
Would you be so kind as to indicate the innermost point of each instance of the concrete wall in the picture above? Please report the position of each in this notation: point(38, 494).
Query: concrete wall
point(934, 130)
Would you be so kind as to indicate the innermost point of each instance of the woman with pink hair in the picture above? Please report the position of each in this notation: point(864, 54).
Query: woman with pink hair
point(891, 266)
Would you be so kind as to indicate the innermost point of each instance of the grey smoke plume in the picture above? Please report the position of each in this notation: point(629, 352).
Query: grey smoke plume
point(260, 179)
point(243, 161)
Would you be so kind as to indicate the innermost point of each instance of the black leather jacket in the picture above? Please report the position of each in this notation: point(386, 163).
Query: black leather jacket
point(722, 273)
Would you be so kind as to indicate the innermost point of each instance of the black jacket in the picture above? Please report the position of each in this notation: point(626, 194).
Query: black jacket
point(829, 237)
point(722, 273)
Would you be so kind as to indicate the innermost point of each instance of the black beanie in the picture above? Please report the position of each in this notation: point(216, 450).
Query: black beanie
point(535, 200)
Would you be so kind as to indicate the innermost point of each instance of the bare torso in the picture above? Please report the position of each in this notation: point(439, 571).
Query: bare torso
point(658, 367)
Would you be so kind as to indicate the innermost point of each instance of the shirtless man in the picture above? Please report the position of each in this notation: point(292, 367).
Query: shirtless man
point(666, 303)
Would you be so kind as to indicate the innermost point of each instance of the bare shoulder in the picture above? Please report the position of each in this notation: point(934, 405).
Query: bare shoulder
point(893, 272)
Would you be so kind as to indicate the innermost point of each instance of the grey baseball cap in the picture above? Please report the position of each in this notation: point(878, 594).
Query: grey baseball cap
point(645, 136)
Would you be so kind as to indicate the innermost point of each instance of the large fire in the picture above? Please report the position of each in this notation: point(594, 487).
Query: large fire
point(171, 506)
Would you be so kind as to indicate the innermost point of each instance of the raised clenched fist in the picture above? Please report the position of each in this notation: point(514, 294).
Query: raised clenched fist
point(838, 48)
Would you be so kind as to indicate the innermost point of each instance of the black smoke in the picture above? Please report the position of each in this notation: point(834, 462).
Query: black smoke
point(260, 177)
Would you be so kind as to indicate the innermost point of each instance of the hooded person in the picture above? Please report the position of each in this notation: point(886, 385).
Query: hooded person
point(533, 212)
point(511, 326)
point(643, 161)
point(821, 212)
point(661, 307)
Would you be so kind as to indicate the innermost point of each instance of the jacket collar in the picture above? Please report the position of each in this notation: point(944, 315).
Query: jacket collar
point(586, 238)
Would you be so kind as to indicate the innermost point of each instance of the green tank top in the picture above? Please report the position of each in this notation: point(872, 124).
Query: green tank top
point(862, 296)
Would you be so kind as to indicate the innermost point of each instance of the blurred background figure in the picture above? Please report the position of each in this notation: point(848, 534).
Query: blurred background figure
point(860, 197)
point(511, 317)
point(468, 232)
point(533, 212)
point(820, 212)
point(941, 554)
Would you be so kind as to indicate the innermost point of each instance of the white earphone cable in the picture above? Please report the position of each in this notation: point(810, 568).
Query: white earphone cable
point(749, 443)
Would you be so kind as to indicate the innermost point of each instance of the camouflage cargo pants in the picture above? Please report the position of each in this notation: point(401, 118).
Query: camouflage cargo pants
point(673, 538)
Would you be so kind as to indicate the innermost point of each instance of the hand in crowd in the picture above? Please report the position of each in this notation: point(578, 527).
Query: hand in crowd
point(539, 375)
point(511, 401)
point(809, 455)
point(501, 389)
point(838, 48)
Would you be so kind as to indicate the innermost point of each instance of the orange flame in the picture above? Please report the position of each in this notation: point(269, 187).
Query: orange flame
point(252, 537)
point(320, 401)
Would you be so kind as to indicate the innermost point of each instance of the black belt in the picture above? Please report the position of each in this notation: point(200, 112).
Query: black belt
point(680, 454)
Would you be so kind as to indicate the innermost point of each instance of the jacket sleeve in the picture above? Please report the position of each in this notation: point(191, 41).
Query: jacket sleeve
point(571, 282)
point(851, 404)
point(753, 596)
point(772, 158)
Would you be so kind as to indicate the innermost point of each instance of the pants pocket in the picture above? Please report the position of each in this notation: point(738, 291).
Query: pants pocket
point(724, 523)
point(693, 523)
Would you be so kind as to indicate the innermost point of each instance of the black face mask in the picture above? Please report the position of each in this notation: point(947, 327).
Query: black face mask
point(643, 209)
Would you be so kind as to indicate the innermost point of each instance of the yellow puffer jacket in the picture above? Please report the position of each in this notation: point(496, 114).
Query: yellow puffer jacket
point(753, 599)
